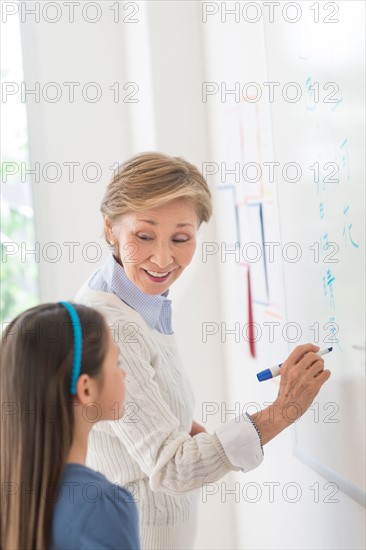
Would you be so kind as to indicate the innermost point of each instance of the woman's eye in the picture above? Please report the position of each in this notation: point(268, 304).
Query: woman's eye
point(144, 237)
point(181, 239)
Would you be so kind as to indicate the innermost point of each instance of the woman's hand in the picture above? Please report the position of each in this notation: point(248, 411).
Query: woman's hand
point(196, 429)
point(302, 376)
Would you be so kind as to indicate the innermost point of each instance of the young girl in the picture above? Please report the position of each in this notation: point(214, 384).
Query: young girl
point(60, 374)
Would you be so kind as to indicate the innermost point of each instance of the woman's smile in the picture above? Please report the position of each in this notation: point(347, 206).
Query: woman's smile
point(157, 277)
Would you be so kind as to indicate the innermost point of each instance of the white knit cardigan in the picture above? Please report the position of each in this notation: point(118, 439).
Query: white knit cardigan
point(149, 451)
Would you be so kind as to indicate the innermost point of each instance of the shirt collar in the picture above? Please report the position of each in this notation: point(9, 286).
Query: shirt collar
point(149, 306)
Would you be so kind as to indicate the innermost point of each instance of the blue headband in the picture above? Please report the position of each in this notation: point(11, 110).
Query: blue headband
point(76, 363)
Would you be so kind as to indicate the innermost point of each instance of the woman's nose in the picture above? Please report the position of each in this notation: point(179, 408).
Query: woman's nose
point(161, 256)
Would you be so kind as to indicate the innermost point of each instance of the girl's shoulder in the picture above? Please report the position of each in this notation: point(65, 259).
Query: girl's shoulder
point(80, 483)
point(92, 512)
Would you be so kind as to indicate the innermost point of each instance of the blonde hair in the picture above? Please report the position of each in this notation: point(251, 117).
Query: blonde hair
point(152, 179)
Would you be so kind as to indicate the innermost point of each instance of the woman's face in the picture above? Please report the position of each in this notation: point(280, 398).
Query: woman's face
point(156, 245)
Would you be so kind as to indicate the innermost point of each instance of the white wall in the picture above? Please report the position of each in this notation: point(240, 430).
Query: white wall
point(79, 131)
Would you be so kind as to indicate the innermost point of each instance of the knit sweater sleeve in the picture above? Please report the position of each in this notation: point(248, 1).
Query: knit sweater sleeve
point(174, 462)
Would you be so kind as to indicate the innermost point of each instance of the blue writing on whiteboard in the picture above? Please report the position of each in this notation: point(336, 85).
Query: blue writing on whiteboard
point(344, 150)
point(312, 97)
point(347, 228)
point(328, 281)
point(321, 210)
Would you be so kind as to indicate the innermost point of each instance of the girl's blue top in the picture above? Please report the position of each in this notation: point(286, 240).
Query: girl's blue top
point(93, 513)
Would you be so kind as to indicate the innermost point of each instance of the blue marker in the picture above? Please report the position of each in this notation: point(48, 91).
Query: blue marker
point(275, 371)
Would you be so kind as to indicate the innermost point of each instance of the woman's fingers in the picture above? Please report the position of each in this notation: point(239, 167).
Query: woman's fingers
point(309, 360)
point(323, 376)
point(299, 352)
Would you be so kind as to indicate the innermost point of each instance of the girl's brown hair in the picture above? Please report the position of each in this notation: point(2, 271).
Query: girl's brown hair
point(37, 423)
point(151, 180)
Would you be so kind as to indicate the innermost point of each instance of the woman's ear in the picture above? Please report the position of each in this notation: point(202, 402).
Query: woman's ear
point(108, 228)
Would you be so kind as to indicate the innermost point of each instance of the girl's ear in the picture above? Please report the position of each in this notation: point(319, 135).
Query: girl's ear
point(86, 390)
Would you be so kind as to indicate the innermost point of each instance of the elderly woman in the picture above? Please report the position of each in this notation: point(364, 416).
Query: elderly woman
point(152, 210)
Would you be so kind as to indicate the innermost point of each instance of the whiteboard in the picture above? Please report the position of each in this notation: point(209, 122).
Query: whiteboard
point(312, 207)
point(324, 213)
